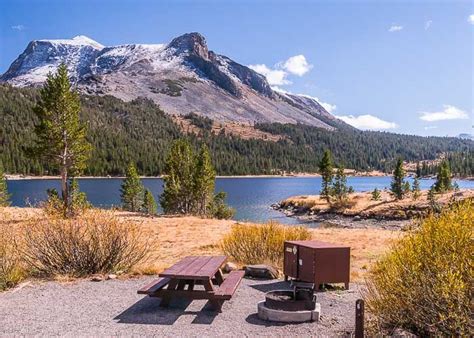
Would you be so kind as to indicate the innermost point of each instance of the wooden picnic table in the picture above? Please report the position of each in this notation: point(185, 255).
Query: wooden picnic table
point(180, 279)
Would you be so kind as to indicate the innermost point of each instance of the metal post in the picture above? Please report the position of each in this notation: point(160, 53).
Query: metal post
point(359, 319)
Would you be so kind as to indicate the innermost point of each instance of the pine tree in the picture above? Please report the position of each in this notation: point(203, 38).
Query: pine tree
point(61, 136)
point(178, 193)
point(326, 171)
point(376, 196)
point(4, 195)
point(339, 189)
point(149, 205)
point(204, 182)
point(132, 190)
point(397, 186)
point(418, 170)
point(432, 200)
point(78, 199)
point(443, 178)
point(416, 188)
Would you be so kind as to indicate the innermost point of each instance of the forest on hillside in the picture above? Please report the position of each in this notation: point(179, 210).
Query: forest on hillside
point(140, 132)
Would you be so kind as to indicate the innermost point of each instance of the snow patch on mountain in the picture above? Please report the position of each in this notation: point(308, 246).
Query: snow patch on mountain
point(80, 40)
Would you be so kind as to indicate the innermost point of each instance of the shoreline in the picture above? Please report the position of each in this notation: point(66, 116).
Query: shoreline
point(17, 177)
point(361, 207)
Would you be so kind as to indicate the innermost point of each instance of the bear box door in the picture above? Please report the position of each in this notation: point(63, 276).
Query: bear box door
point(306, 264)
point(290, 260)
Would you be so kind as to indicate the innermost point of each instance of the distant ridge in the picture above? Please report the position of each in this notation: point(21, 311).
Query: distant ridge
point(183, 76)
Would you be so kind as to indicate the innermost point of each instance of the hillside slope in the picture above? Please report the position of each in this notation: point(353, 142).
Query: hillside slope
point(139, 131)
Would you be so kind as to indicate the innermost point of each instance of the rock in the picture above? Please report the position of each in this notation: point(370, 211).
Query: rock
point(229, 266)
point(357, 218)
point(111, 276)
point(261, 271)
point(97, 278)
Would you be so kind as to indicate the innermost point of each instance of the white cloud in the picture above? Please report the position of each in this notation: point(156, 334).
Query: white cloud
point(395, 28)
point(367, 122)
point(431, 127)
point(428, 24)
point(18, 27)
point(275, 77)
point(297, 65)
point(470, 19)
point(448, 113)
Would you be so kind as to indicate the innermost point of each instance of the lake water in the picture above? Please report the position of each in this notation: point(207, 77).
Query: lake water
point(251, 197)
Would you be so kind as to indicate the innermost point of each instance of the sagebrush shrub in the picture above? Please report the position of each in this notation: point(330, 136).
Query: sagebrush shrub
point(425, 283)
point(11, 270)
point(254, 244)
point(96, 242)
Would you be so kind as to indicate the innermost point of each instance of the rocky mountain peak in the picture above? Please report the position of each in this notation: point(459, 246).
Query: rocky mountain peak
point(190, 43)
point(182, 77)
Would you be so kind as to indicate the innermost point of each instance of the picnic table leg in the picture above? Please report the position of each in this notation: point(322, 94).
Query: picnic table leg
point(219, 277)
point(191, 285)
point(217, 304)
point(181, 284)
point(165, 300)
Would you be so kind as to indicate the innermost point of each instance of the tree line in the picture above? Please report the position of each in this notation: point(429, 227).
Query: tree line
point(139, 132)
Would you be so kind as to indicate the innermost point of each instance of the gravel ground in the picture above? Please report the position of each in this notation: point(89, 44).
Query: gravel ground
point(113, 307)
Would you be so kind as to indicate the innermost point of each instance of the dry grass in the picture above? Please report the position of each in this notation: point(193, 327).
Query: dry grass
point(172, 238)
point(257, 244)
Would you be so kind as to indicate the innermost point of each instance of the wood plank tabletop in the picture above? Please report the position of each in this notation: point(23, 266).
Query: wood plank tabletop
point(195, 267)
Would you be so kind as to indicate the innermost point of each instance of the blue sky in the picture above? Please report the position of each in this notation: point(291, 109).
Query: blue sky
point(400, 66)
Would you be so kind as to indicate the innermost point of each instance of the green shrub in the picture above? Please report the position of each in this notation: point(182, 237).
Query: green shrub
point(96, 242)
point(425, 283)
point(218, 208)
point(255, 244)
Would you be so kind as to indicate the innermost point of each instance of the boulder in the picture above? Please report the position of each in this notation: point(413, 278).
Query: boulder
point(97, 278)
point(261, 271)
point(111, 276)
point(229, 266)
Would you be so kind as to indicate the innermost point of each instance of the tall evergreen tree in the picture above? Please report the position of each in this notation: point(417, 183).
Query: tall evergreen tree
point(418, 170)
point(132, 190)
point(339, 187)
point(326, 171)
point(149, 204)
point(4, 195)
point(443, 178)
point(398, 186)
point(179, 180)
point(416, 188)
point(204, 181)
point(61, 136)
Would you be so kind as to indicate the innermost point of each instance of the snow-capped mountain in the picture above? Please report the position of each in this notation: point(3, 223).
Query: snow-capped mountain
point(182, 76)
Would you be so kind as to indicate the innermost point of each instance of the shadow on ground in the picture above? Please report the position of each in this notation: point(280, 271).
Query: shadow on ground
point(274, 285)
point(148, 311)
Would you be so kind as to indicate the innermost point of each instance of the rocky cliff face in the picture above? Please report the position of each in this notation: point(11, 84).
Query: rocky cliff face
point(182, 77)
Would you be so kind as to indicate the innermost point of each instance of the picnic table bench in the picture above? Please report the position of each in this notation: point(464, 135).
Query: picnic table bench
point(180, 279)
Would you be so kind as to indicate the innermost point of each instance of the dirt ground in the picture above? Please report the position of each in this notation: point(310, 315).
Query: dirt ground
point(172, 238)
